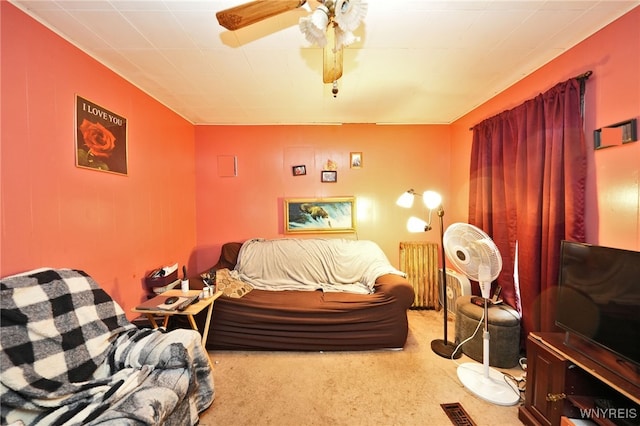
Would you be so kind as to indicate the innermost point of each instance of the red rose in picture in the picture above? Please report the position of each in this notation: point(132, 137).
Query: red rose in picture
point(97, 138)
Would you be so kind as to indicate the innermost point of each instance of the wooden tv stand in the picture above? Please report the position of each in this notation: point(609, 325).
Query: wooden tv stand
point(561, 381)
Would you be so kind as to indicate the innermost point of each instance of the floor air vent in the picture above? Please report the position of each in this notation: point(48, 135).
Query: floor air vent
point(457, 415)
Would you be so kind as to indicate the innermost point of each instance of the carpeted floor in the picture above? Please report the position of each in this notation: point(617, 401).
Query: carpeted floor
point(402, 387)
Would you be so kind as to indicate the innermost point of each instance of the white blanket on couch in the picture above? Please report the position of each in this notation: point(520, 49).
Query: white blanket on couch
point(313, 264)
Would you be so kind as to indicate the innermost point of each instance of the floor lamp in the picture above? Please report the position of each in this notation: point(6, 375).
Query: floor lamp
point(433, 200)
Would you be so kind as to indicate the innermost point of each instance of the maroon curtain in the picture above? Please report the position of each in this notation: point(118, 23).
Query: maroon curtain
point(527, 186)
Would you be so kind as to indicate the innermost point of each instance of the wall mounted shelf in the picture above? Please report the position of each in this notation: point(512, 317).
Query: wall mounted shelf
point(616, 134)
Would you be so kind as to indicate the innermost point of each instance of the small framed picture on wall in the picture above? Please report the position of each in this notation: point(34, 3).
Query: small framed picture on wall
point(356, 160)
point(330, 176)
point(300, 170)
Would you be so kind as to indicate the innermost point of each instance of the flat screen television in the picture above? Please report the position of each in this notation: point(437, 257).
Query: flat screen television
point(599, 300)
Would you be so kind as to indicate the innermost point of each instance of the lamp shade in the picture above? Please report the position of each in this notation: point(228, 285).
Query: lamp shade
point(349, 14)
point(405, 200)
point(431, 199)
point(344, 38)
point(315, 25)
point(415, 224)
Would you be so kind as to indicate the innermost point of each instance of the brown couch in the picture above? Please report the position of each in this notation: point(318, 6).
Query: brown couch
point(310, 320)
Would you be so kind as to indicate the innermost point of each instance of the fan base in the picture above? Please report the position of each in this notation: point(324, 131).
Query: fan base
point(445, 349)
point(493, 389)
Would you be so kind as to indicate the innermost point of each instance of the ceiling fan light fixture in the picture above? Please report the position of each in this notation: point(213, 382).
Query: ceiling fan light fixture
point(350, 13)
point(344, 38)
point(314, 26)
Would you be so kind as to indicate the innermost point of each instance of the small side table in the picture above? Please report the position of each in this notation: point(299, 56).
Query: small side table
point(189, 312)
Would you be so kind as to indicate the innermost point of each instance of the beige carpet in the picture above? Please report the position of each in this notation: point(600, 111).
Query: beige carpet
point(348, 388)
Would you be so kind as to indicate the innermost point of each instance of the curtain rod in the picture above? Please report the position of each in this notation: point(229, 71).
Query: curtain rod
point(584, 76)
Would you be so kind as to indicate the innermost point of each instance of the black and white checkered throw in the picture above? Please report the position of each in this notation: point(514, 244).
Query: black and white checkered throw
point(70, 356)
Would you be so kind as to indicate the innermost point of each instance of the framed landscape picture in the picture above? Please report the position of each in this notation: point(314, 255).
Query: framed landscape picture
point(323, 215)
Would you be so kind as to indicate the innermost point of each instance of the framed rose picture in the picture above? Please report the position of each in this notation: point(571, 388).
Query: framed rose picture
point(101, 138)
point(320, 215)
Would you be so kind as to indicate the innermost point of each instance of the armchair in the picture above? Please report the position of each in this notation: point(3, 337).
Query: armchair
point(69, 355)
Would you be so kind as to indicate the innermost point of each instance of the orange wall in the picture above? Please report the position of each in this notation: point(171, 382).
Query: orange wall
point(114, 227)
point(612, 96)
point(395, 158)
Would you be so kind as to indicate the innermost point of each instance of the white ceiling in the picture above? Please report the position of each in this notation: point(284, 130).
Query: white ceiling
point(418, 61)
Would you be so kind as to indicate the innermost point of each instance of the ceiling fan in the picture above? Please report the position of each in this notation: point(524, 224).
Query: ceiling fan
point(330, 25)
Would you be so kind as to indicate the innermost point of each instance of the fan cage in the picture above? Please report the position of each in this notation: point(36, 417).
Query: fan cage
point(468, 247)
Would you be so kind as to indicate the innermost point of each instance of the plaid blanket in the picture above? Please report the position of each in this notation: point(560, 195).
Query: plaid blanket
point(69, 356)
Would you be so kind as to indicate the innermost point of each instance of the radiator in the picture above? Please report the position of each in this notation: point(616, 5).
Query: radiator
point(420, 262)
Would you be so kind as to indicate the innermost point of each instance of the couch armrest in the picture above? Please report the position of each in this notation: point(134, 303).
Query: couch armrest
point(396, 287)
point(228, 256)
point(228, 259)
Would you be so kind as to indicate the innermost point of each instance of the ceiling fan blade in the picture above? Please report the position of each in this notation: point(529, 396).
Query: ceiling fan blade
point(332, 58)
point(249, 13)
